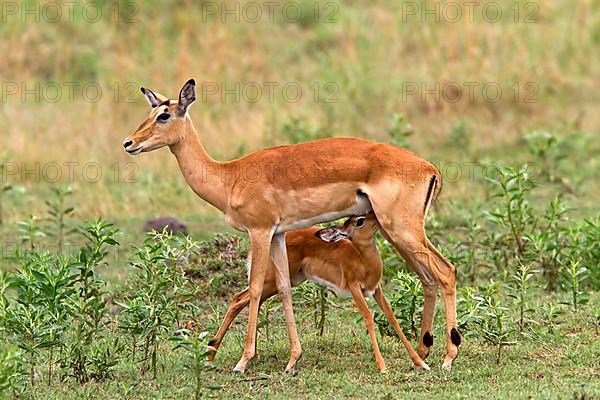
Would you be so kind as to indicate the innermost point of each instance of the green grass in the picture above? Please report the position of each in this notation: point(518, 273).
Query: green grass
point(340, 365)
point(369, 54)
point(562, 363)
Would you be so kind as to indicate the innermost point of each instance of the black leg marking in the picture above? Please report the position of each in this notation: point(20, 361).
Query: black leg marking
point(428, 339)
point(432, 183)
point(455, 337)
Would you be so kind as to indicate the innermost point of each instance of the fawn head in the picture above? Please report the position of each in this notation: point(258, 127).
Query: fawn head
point(355, 228)
point(165, 123)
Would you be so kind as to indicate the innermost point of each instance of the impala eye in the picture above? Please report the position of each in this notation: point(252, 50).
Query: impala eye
point(163, 117)
point(360, 222)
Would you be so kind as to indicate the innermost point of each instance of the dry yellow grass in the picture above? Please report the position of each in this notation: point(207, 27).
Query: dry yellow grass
point(370, 54)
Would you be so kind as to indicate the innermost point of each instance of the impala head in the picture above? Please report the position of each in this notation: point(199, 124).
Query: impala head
point(355, 228)
point(165, 124)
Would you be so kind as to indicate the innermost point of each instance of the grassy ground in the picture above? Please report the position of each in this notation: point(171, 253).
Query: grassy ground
point(563, 365)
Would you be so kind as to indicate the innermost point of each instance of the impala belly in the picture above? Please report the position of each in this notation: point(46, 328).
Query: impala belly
point(323, 199)
point(323, 282)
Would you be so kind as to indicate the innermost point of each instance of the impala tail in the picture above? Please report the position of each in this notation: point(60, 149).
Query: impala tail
point(433, 191)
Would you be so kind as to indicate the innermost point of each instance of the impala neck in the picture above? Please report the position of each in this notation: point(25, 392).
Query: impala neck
point(367, 248)
point(201, 172)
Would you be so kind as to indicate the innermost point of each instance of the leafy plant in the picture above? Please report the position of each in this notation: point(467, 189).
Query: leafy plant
point(30, 232)
point(549, 313)
point(548, 150)
point(58, 211)
point(11, 372)
point(574, 276)
point(158, 289)
point(196, 347)
point(407, 302)
point(461, 135)
point(5, 188)
point(519, 287)
point(267, 308)
point(587, 249)
point(104, 355)
point(219, 265)
point(315, 299)
point(36, 314)
point(392, 262)
point(550, 241)
point(512, 210)
point(465, 251)
point(495, 330)
point(88, 307)
point(470, 305)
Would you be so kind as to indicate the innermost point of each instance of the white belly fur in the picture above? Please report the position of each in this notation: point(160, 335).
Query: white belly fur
point(361, 207)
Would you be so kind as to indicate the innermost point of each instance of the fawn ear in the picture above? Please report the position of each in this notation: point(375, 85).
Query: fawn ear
point(154, 99)
point(330, 235)
point(187, 95)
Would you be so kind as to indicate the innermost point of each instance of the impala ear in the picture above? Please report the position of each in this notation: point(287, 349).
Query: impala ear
point(330, 235)
point(154, 99)
point(187, 96)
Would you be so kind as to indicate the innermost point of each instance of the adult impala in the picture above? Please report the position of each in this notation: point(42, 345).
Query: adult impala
point(291, 187)
point(350, 267)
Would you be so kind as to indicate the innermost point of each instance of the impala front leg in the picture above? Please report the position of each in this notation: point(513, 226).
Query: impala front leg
point(282, 279)
point(361, 303)
point(238, 303)
point(418, 362)
point(260, 247)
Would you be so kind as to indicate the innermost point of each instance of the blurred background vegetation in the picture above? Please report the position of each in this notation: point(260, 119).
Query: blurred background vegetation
point(370, 55)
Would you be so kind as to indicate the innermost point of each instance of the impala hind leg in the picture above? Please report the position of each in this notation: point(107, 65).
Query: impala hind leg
point(282, 280)
point(447, 277)
point(403, 227)
point(363, 307)
point(430, 292)
point(418, 363)
point(426, 260)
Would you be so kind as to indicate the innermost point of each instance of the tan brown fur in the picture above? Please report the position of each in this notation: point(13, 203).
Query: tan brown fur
point(350, 265)
point(334, 177)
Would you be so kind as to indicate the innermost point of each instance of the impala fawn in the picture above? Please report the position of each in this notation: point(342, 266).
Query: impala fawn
point(349, 267)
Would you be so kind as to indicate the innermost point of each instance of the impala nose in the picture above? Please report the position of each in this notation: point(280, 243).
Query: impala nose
point(127, 143)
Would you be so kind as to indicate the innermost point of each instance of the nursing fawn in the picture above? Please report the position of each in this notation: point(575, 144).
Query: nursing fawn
point(349, 267)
